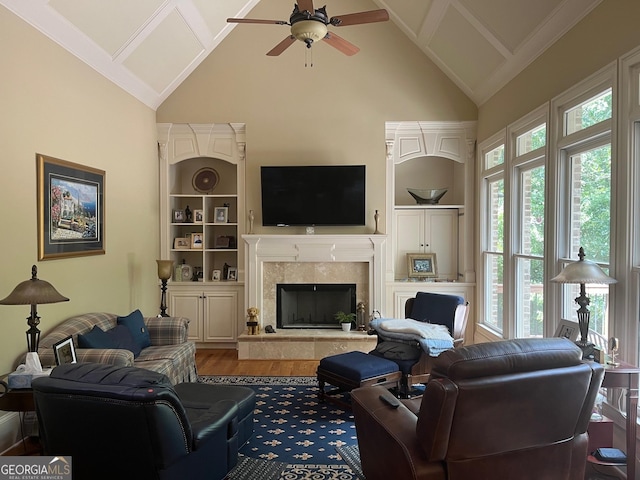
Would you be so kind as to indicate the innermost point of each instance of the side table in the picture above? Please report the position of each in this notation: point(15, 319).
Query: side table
point(626, 376)
point(17, 400)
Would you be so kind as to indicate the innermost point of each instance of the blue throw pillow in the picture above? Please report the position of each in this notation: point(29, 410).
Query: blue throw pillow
point(122, 337)
point(135, 323)
point(118, 337)
point(96, 338)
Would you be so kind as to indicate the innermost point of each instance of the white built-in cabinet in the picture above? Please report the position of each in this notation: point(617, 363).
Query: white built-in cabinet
point(213, 312)
point(430, 155)
point(185, 151)
point(422, 230)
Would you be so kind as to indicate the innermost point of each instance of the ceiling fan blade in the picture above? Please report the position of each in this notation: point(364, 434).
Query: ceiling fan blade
point(306, 5)
point(252, 20)
point(362, 17)
point(341, 44)
point(282, 46)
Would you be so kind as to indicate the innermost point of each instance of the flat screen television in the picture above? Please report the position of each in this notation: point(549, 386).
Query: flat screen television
point(329, 195)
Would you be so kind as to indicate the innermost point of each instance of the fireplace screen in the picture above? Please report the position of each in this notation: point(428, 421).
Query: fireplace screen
point(302, 305)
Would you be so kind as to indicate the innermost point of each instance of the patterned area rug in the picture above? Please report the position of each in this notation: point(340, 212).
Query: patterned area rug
point(293, 427)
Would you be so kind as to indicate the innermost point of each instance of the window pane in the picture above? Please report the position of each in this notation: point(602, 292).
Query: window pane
point(494, 297)
point(530, 297)
point(496, 219)
point(532, 215)
point(532, 140)
point(494, 157)
point(594, 110)
point(591, 203)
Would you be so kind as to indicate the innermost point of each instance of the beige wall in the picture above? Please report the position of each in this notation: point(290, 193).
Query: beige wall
point(333, 112)
point(51, 103)
point(607, 33)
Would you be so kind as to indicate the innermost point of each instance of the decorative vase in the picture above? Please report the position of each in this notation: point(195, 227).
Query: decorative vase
point(346, 327)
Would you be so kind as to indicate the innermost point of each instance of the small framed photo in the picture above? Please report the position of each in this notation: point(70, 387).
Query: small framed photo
point(220, 214)
point(180, 243)
point(196, 240)
point(421, 265)
point(178, 216)
point(198, 216)
point(567, 329)
point(232, 273)
point(215, 276)
point(222, 241)
point(64, 351)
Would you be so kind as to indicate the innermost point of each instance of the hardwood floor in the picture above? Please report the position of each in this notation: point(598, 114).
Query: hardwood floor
point(225, 362)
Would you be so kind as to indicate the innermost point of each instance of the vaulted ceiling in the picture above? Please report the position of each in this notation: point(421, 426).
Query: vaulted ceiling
point(148, 47)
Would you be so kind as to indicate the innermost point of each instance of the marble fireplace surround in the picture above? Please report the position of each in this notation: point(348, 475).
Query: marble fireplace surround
point(272, 259)
point(356, 259)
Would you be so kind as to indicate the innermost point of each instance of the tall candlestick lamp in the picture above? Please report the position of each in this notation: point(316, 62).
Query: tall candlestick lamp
point(33, 292)
point(583, 272)
point(165, 268)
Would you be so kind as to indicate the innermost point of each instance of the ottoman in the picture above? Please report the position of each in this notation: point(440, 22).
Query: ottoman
point(350, 370)
point(244, 397)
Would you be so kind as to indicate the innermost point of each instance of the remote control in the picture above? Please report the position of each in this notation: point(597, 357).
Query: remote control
point(390, 400)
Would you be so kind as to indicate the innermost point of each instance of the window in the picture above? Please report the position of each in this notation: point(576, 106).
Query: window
point(585, 201)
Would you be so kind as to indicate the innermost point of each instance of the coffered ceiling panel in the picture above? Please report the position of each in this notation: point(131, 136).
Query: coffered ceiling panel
point(470, 57)
point(148, 47)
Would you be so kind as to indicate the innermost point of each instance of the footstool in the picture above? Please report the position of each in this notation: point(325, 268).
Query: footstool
point(350, 370)
point(207, 394)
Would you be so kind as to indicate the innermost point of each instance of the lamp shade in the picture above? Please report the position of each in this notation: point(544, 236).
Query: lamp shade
point(165, 269)
point(583, 271)
point(33, 292)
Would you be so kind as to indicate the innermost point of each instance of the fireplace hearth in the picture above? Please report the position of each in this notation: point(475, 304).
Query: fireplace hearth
point(313, 305)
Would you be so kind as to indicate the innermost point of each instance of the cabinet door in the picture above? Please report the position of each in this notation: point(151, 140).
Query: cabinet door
point(221, 314)
point(441, 238)
point(188, 305)
point(408, 236)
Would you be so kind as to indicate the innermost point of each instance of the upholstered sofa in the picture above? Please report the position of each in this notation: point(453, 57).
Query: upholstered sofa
point(169, 353)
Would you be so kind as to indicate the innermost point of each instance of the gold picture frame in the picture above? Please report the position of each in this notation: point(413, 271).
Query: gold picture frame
point(71, 202)
point(422, 265)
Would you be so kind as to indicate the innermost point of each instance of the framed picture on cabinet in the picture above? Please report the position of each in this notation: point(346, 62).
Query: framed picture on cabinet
point(232, 273)
point(221, 214)
point(180, 243)
point(421, 265)
point(71, 200)
point(196, 240)
point(198, 216)
point(178, 216)
point(215, 276)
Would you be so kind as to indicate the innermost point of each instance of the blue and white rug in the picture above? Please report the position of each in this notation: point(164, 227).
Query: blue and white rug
point(293, 427)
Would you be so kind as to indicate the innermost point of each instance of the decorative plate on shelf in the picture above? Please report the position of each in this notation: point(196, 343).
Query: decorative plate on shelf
point(205, 180)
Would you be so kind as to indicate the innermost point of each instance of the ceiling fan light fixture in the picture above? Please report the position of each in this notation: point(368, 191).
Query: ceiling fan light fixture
point(309, 31)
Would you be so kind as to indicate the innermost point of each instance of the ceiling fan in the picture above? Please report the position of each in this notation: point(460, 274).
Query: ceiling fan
point(309, 24)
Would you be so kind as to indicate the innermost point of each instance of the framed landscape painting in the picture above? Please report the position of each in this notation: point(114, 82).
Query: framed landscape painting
point(70, 209)
point(421, 265)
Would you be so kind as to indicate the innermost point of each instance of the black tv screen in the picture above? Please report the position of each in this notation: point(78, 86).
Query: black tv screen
point(329, 195)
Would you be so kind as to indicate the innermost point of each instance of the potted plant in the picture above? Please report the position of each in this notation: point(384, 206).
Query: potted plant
point(345, 320)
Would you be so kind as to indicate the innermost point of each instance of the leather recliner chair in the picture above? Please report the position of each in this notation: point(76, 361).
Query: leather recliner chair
point(128, 422)
point(510, 409)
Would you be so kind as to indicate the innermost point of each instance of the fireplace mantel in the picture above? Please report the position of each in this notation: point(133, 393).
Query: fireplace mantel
point(260, 249)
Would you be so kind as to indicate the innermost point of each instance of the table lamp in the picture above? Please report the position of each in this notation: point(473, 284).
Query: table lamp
point(583, 272)
point(165, 269)
point(33, 292)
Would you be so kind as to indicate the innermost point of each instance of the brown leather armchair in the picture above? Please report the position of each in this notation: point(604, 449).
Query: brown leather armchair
point(510, 409)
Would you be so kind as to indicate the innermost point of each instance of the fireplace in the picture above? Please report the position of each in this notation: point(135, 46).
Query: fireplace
point(313, 305)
